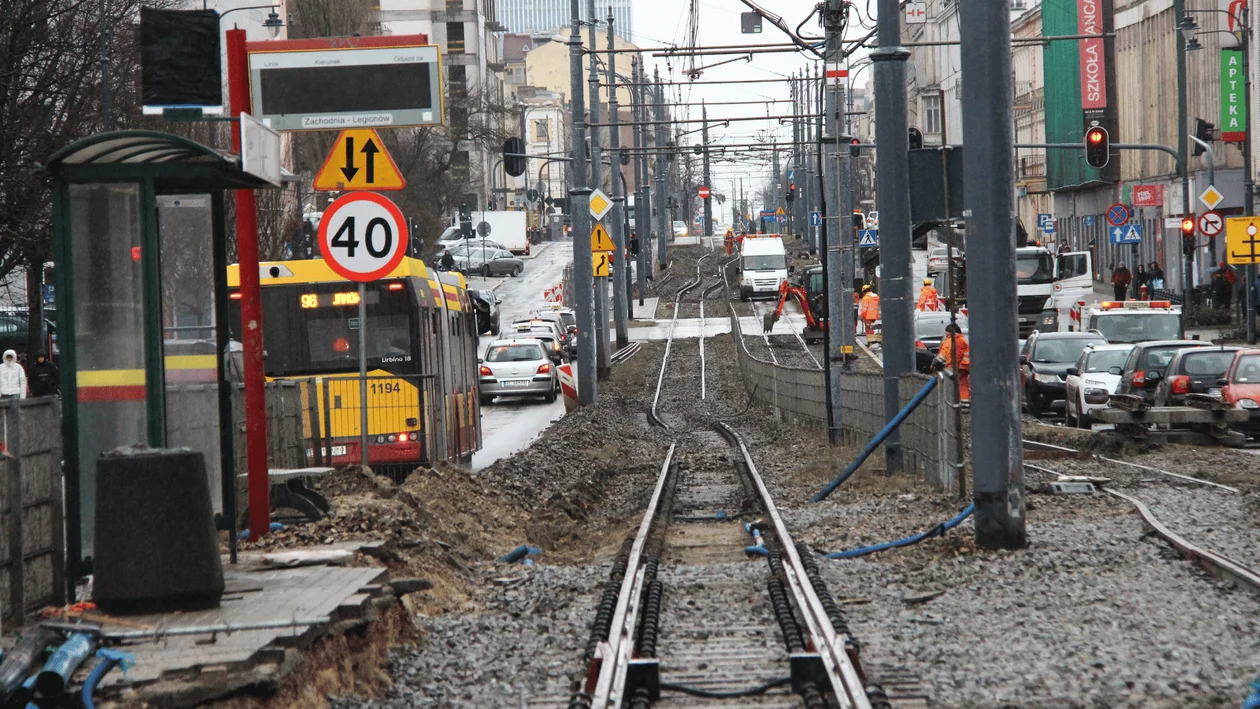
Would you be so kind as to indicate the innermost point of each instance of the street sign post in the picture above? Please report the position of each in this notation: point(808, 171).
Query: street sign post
point(916, 13)
point(1242, 240)
point(703, 192)
point(1211, 223)
point(815, 219)
point(600, 204)
point(483, 229)
point(358, 161)
point(868, 238)
point(600, 241)
point(1211, 197)
point(1125, 234)
point(362, 237)
point(600, 263)
point(1117, 215)
point(1042, 220)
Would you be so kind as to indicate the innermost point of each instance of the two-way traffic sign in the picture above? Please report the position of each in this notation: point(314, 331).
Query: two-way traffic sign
point(1125, 234)
point(358, 161)
point(868, 238)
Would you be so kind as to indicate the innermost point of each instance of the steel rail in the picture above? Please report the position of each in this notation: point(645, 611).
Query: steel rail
point(1139, 466)
point(626, 352)
point(653, 417)
point(613, 655)
point(846, 682)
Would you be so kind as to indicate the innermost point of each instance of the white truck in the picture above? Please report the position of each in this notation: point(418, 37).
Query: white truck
point(1132, 321)
point(762, 266)
point(507, 228)
point(1048, 285)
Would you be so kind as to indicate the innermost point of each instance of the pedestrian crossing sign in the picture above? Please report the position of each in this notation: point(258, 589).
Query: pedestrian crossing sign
point(868, 238)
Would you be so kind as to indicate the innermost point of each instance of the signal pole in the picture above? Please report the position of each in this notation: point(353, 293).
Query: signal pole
point(662, 235)
point(708, 178)
point(997, 454)
point(620, 269)
point(832, 236)
point(603, 364)
point(579, 196)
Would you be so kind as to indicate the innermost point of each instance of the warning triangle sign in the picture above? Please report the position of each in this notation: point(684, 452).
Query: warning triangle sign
point(358, 161)
point(600, 241)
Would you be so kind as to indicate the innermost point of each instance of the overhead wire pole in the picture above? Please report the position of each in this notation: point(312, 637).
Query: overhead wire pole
point(641, 226)
point(579, 196)
point(835, 226)
point(662, 224)
point(892, 140)
point(603, 363)
point(989, 172)
point(619, 269)
point(708, 178)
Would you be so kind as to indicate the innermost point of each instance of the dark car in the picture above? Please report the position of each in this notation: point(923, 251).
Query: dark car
point(929, 330)
point(486, 303)
point(1044, 362)
point(14, 334)
point(1196, 370)
point(1146, 364)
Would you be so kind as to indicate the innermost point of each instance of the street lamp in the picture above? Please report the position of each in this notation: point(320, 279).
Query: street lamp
point(273, 23)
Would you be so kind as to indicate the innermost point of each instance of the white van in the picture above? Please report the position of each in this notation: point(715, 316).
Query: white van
point(762, 266)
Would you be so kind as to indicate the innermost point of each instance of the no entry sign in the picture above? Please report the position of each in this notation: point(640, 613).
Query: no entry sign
point(703, 192)
point(363, 236)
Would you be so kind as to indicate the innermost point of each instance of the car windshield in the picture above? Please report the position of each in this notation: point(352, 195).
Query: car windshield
point(933, 328)
point(1061, 351)
point(569, 319)
point(1033, 268)
point(1159, 357)
point(939, 253)
point(767, 262)
point(1248, 370)
point(515, 353)
point(1209, 363)
point(1102, 362)
point(1138, 327)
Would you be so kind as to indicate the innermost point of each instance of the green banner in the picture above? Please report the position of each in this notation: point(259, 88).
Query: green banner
point(1233, 107)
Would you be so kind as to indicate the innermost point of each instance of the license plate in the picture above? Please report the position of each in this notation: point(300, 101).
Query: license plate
point(337, 451)
point(516, 384)
point(1214, 392)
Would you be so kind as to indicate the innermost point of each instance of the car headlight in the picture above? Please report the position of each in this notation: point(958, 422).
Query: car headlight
point(1094, 395)
point(1050, 319)
point(1248, 404)
point(1047, 378)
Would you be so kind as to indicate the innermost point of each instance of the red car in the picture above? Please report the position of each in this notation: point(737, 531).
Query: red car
point(1241, 387)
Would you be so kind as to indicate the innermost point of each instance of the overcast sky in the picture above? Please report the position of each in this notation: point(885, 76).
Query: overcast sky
point(664, 22)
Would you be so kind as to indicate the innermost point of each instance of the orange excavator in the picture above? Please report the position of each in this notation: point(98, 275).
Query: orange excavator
point(810, 299)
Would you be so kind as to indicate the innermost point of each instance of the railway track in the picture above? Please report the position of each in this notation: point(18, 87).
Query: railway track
point(712, 603)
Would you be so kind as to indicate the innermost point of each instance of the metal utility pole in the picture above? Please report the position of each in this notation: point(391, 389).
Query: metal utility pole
point(579, 196)
point(619, 268)
point(776, 189)
point(663, 226)
point(989, 172)
point(837, 230)
point(1249, 187)
point(603, 363)
point(641, 207)
point(1187, 260)
point(896, 306)
point(708, 176)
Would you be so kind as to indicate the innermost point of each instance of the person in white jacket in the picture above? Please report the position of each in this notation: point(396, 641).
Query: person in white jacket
point(12, 377)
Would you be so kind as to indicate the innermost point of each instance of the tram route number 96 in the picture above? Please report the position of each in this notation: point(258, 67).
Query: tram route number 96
point(386, 388)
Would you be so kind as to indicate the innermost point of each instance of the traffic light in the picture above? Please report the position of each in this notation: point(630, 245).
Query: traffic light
point(1205, 132)
point(1097, 147)
point(1187, 235)
point(854, 150)
point(465, 221)
point(791, 193)
point(859, 219)
point(514, 157)
point(916, 139)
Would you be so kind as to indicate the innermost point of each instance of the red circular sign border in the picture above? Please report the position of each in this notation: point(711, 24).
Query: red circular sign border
point(381, 201)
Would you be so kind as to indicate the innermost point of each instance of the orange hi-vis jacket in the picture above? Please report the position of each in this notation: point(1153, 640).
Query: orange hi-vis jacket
point(868, 308)
point(927, 299)
point(959, 361)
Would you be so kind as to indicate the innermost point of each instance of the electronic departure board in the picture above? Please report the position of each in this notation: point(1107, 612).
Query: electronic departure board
point(310, 85)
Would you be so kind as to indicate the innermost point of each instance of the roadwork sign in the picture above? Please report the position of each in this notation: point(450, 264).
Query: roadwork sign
point(600, 241)
point(358, 161)
point(599, 264)
point(1242, 240)
point(363, 236)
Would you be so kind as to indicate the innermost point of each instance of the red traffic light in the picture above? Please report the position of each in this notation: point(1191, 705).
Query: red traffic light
point(1097, 147)
point(1187, 225)
point(1096, 136)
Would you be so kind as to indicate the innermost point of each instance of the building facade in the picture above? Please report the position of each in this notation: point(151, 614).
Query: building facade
point(525, 16)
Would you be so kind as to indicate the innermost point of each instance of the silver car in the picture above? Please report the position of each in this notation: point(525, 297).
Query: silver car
point(546, 333)
point(519, 367)
point(489, 262)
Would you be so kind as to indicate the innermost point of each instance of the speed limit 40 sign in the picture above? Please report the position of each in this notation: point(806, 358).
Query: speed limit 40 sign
point(363, 236)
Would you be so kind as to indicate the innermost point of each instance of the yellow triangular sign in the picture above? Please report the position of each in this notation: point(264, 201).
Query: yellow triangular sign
point(600, 241)
point(780, 212)
point(358, 161)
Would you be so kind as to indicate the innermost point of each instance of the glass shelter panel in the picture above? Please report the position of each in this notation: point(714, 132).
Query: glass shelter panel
point(185, 232)
point(109, 329)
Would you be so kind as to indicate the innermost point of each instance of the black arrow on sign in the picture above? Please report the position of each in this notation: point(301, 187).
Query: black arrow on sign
point(370, 150)
point(349, 170)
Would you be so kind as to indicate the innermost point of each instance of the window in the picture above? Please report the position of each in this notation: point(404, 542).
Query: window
point(542, 129)
point(931, 113)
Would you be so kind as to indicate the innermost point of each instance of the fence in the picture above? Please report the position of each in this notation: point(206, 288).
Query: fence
point(31, 538)
point(927, 436)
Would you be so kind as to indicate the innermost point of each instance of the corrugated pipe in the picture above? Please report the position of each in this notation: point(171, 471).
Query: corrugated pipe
point(52, 680)
point(107, 660)
point(758, 547)
point(17, 664)
point(937, 531)
point(519, 553)
point(878, 439)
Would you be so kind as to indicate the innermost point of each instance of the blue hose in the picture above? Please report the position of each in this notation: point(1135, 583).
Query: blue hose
point(52, 680)
point(1253, 700)
point(108, 659)
point(878, 439)
point(244, 533)
point(937, 531)
point(519, 553)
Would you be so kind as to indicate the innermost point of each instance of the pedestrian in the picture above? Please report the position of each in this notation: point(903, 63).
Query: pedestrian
point(1223, 280)
point(43, 377)
point(12, 377)
point(1156, 275)
point(448, 261)
point(955, 354)
point(234, 362)
point(928, 299)
point(1120, 279)
point(1141, 279)
point(868, 309)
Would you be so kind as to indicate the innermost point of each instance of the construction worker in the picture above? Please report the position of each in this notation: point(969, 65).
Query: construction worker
point(955, 354)
point(927, 297)
point(868, 309)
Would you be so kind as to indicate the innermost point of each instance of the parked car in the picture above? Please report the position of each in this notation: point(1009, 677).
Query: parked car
point(1044, 363)
point(929, 330)
point(545, 332)
point(937, 258)
point(1090, 383)
point(1241, 387)
point(551, 316)
point(569, 318)
point(486, 303)
point(1146, 363)
point(489, 262)
point(1193, 371)
point(517, 367)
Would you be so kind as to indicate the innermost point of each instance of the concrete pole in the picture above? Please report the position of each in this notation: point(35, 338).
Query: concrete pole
point(579, 194)
point(708, 175)
point(1249, 187)
point(640, 200)
point(1187, 260)
point(989, 172)
point(836, 226)
point(896, 307)
point(662, 215)
point(619, 270)
point(603, 361)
